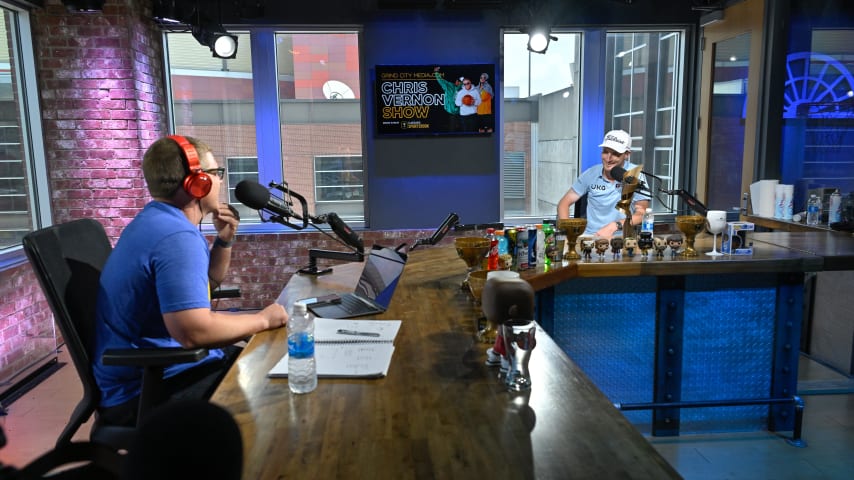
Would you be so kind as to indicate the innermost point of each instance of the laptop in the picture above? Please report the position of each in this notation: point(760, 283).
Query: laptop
point(373, 293)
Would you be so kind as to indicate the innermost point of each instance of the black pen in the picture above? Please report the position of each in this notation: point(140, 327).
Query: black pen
point(354, 332)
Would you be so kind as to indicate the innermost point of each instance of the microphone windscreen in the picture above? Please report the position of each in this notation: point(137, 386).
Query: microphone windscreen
point(617, 173)
point(252, 194)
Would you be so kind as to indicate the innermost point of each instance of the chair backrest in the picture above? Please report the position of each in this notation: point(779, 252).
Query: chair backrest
point(68, 259)
point(580, 207)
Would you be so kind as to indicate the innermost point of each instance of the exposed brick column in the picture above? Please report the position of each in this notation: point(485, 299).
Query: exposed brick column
point(102, 98)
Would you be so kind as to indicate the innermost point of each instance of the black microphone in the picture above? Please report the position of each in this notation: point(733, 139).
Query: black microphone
point(619, 174)
point(257, 197)
point(343, 231)
point(451, 220)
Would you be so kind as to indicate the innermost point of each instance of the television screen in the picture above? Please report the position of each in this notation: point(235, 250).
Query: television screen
point(435, 99)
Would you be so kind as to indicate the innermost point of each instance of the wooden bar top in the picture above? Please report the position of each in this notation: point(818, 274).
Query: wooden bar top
point(835, 248)
point(440, 412)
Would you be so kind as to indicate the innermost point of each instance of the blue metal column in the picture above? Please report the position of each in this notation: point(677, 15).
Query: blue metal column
point(670, 310)
point(787, 340)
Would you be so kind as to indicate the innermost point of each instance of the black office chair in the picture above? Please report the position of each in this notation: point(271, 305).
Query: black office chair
point(67, 260)
point(177, 440)
point(580, 207)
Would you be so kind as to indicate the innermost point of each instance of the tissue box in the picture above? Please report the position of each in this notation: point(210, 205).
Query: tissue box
point(735, 240)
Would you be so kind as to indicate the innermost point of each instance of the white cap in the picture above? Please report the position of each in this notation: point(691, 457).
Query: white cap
point(618, 141)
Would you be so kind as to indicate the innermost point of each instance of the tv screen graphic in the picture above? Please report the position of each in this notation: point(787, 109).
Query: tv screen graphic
point(435, 99)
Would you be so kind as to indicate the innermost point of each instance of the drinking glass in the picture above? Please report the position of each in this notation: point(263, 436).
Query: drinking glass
point(519, 341)
point(715, 223)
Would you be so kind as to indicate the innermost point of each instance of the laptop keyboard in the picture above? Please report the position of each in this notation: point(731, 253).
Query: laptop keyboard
point(354, 306)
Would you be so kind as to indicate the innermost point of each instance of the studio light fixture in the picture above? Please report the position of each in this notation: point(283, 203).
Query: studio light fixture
point(539, 38)
point(221, 43)
point(84, 6)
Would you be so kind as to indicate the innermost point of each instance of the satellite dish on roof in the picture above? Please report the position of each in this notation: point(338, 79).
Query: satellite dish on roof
point(333, 90)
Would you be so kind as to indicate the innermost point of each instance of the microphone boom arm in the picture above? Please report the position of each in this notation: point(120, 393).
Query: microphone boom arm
point(305, 217)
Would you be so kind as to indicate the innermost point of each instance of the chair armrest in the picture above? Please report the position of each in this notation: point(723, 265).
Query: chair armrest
point(225, 293)
point(146, 357)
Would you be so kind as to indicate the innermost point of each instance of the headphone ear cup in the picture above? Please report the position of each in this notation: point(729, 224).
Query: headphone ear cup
point(197, 184)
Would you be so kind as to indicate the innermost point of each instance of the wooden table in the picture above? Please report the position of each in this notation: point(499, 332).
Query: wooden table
point(440, 412)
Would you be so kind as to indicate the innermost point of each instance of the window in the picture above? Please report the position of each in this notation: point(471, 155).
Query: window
point(286, 109)
point(339, 185)
point(20, 142)
point(321, 121)
point(212, 99)
point(643, 89)
point(541, 104)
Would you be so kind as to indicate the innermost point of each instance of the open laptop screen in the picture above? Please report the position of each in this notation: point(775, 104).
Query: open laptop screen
point(380, 275)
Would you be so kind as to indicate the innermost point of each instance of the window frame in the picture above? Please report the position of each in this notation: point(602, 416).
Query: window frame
point(33, 143)
point(268, 118)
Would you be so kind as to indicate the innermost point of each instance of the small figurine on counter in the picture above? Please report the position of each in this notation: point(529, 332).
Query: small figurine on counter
point(660, 246)
point(675, 243)
point(617, 247)
point(645, 243)
point(602, 245)
point(630, 244)
point(587, 245)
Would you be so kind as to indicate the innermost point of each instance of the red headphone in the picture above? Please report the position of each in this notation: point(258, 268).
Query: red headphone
point(197, 183)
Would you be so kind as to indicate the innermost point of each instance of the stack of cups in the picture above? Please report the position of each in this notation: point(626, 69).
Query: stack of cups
point(783, 201)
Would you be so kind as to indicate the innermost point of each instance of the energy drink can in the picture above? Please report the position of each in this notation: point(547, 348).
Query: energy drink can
point(521, 248)
point(532, 246)
point(510, 235)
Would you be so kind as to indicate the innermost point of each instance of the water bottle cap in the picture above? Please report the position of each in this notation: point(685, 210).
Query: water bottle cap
point(299, 308)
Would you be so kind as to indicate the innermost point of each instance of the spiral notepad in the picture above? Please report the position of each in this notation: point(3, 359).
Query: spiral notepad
point(349, 348)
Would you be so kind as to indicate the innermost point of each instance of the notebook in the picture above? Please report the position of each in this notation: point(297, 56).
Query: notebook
point(349, 348)
point(373, 293)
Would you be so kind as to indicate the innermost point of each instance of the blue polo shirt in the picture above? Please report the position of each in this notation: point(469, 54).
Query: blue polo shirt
point(602, 197)
point(160, 265)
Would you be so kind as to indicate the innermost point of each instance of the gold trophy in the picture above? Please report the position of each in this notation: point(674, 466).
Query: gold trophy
point(572, 227)
point(471, 250)
point(630, 185)
point(690, 225)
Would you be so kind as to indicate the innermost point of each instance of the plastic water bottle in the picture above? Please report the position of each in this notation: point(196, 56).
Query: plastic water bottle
point(648, 224)
point(302, 369)
point(813, 210)
point(834, 215)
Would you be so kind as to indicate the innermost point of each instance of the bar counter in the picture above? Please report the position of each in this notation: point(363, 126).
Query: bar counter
point(440, 412)
point(686, 344)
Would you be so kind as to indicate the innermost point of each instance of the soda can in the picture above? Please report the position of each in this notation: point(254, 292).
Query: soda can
point(521, 248)
point(532, 246)
point(510, 235)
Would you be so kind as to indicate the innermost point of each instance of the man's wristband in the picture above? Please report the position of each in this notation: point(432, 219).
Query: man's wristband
point(218, 242)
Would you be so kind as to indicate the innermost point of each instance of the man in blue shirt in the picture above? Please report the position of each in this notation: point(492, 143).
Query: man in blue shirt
point(603, 191)
point(155, 287)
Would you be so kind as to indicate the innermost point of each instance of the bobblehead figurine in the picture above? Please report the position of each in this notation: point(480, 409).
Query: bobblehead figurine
point(602, 245)
point(587, 245)
point(645, 243)
point(630, 244)
point(675, 243)
point(617, 247)
point(660, 246)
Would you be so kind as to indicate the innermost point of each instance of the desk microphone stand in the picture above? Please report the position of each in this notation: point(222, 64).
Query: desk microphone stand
point(357, 253)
